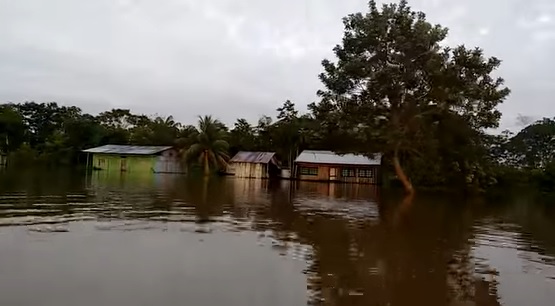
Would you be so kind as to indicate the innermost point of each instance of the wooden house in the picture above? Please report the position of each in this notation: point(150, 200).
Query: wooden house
point(254, 165)
point(123, 158)
point(331, 167)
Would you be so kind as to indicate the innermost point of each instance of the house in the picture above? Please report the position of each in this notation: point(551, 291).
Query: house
point(254, 165)
point(125, 158)
point(331, 167)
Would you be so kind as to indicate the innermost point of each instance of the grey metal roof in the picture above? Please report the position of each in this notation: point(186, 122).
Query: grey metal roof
point(253, 157)
point(131, 150)
point(329, 157)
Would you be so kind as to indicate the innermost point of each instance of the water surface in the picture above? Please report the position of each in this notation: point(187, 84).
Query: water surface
point(108, 239)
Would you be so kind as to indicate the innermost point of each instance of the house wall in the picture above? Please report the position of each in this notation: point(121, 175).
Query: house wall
point(127, 163)
point(285, 173)
point(248, 170)
point(324, 173)
point(168, 162)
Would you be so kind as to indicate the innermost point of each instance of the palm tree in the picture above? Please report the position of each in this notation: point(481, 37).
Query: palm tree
point(209, 148)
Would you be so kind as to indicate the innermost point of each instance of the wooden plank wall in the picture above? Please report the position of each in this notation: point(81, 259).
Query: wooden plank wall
point(324, 174)
point(249, 170)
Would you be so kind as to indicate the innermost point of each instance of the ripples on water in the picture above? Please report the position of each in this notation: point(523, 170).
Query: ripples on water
point(168, 240)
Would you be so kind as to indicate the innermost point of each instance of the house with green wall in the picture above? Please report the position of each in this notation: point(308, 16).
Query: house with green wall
point(124, 158)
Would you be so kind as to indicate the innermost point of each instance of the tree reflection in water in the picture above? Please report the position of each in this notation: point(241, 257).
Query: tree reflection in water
point(411, 252)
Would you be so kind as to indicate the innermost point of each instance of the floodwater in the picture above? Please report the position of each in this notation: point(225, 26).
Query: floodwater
point(71, 239)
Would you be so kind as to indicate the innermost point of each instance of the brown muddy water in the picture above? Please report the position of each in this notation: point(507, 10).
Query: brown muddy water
point(70, 239)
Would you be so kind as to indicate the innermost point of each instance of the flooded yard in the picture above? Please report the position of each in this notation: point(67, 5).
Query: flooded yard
point(70, 239)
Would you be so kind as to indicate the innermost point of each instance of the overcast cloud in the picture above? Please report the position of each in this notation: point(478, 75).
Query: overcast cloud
point(238, 58)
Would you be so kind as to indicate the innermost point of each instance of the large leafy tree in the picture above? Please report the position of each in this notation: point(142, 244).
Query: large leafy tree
point(157, 131)
point(12, 129)
point(44, 119)
point(263, 132)
point(79, 133)
point(394, 85)
point(286, 132)
point(533, 146)
point(117, 124)
point(242, 137)
point(164, 130)
point(210, 149)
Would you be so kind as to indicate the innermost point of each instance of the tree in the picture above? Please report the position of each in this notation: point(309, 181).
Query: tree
point(210, 149)
point(286, 132)
point(263, 134)
point(81, 133)
point(287, 112)
point(157, 131)
point(12, 129)
point(534, 146)
point(242, 136)
point(117, 124)
point(186, 137)
point(43, 120)
point(394, 85)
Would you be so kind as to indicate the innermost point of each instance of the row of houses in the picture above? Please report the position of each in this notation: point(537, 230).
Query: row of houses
point(310, 165)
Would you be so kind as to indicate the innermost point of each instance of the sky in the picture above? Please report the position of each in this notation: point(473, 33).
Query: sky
point(239, 58)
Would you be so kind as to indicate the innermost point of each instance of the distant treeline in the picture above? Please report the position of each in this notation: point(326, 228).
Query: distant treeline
point(55, 135)
point(394, 88)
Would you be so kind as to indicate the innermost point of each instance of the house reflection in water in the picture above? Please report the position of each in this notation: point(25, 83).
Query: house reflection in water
point(337, 190)
point(249, 191)
point(132, 180)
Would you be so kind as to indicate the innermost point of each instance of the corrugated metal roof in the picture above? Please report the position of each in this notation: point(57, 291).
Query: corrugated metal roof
point(253, 157)
point(131, 150)
point(329, 157)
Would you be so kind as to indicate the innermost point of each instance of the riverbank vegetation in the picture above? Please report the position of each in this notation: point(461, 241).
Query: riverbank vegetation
point(394, 88)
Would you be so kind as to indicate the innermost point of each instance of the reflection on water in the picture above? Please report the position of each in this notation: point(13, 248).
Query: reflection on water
point(108, 239)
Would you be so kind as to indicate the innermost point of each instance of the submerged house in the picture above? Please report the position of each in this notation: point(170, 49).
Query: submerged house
point(254, 165)
point(158, 159)
point(331, 167)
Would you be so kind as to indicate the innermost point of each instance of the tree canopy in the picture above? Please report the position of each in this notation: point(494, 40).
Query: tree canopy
point(394, 87)
point(210, 149)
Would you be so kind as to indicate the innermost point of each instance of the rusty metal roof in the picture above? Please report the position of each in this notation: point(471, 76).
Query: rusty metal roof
point(329, 157)
point(128, 150)
point(253, 157)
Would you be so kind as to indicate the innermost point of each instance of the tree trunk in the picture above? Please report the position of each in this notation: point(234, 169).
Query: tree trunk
point(401, 174)
point(206, 165)
point(205, 190)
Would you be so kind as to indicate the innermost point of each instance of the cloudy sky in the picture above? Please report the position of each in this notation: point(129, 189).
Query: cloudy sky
point(238, 58)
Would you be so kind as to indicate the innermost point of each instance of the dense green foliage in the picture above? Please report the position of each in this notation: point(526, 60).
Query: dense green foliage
point(210, 148)
point(393, 89)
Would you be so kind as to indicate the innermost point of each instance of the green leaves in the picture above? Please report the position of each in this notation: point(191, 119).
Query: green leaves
point(209, 148)
point(534, 146)
point(12, 129)
point(394, 88)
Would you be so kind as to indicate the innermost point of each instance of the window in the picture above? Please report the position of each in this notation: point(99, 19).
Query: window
point(366, 173)
point(309, 171)
point(347, 172)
